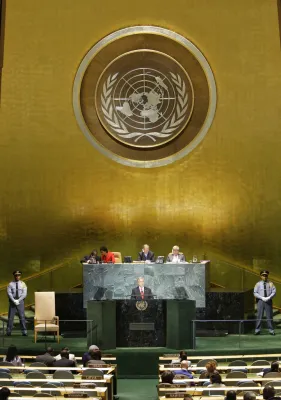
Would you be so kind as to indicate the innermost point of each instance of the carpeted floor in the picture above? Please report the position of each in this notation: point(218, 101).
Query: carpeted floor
point(137, 389)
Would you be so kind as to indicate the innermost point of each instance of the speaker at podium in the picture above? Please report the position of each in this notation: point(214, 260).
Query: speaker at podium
point(143, 323)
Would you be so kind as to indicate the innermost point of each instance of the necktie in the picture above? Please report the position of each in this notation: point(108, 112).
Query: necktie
point(142, 294)
point(264, 288)
point(17, 291)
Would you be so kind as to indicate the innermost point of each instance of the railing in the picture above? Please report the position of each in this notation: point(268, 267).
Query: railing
point(59, 279)
point(83, 331)
point(235, 277)
point(232, 334)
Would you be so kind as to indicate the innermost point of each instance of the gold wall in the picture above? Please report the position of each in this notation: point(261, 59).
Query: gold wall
point(60, 197)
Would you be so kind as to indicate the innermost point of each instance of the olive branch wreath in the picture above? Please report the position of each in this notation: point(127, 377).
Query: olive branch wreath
point(120, 128)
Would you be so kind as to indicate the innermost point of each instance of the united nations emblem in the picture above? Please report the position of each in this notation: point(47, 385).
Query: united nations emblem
point(144, 106)
point(141, 305)
point(144, 96)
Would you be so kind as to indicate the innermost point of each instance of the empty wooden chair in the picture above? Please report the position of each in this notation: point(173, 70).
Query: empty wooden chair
point(257, 363)
point(202, 363)
point(5, 375)
point(92, 372)
point(25, 390)
point(36, 375)
point(37, 364)
point(235, 374)
point(53, 392)
point(64, 375)
point(247, 385)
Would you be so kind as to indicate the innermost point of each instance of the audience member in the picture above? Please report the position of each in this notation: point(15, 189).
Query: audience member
point(273, 368)
point(4, 393)
point(86, 356)
point(71, 356)
point(167, 377)
point(210, 370)
point(268, 392)
point(216, 381)
point(47, 358)
point(65, 361)
point(184, 370)
point(12, 356)
point(95, 358)
point(249, 396)
point(230, 395)
point(182, 357)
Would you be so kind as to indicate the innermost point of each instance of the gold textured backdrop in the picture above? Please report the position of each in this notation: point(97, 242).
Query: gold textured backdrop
point(60, 197)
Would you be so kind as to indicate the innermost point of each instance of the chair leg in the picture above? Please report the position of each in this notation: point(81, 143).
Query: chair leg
point(35, 337)
point(58, 335)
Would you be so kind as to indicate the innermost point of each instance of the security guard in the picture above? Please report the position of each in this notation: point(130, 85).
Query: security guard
point(264, 291)
point(17, 292)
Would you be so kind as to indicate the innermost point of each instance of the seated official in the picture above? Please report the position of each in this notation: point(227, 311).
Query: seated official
point(175, 256)
point(182, 357)
point(71, 356)
point(106, 256)
point(93, 258)
point(216, 381)
point(141, 292)
point(167, 377)
point(274, 367)
point(86, 356)
point(95, 358)
point(184, 370)
point(146, 254)
point(65, 361)
point(47, 358)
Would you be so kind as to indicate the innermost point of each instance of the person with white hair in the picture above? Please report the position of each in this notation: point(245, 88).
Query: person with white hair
point(175, 256)
point(87, 356)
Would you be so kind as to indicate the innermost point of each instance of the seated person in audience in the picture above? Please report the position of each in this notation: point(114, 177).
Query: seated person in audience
point(92, 258)
point(146, 254)
point(273, 368)
point(106, 256)
point(86, 356)
point(269, 393)
point(4, 393)
point(216, 381)
point(65, 361)
point(175, 256)
point(249, 396)
point(182, 357)
point(47, 358)
point(230, 395)
point(95, 358)
point(210, 370)
point(71, 356)
point(184, 370)
point(167, 377)
point(12, 357)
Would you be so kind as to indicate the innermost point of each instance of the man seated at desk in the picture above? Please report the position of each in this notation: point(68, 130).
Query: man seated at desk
point(176, 256)
point(141, 292)
point(106, 256)
point(146, 254)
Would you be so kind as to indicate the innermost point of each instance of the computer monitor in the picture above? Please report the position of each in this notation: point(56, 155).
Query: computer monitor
point(128, 259)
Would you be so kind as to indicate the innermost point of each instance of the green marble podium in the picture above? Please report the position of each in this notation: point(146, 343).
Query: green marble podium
point(164, 323)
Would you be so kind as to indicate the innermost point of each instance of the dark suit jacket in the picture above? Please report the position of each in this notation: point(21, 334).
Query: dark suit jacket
point(150, 256)
point(65, 362)
point(137, 296)
point(46, 359)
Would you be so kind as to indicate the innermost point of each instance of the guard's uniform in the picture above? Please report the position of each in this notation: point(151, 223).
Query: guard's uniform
point(264, 292)
point(17, 292)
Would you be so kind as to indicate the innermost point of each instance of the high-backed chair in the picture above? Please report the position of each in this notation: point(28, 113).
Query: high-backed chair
point(92, 372)
point(233, 375)
point(45, 319)
point(5, 375)
point(202, 363)
point(53, 392)
point(36, 375)
point(258, 363)
point(275, 384)
point(64, 375)
point(118, 257)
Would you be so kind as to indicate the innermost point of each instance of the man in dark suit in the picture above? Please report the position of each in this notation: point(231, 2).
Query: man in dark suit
point(47, 358)
point(146, 254)
point(65, 361)
point(141, 292)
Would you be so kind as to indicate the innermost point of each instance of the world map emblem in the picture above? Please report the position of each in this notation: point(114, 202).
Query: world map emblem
point(144, 96)
point(145, 106)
